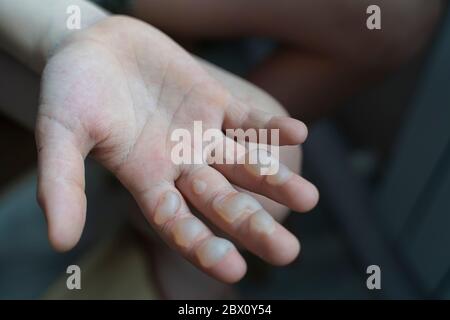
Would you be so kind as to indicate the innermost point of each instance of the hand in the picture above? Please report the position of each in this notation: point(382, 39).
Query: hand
point(116, 91)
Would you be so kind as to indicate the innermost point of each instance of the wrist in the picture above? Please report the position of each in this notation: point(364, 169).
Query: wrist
point(58, 32)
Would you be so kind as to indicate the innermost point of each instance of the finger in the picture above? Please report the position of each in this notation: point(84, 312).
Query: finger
point(61, 182)
point(238, 214)
point(264, 174)
point(239, 115)
point(166, 210)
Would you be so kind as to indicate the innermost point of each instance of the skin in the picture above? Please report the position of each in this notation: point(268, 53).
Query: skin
point(177, 278)
point(106, 92)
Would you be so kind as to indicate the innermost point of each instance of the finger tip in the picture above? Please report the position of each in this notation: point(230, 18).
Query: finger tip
point(310, 198)
point(65, 213)
point(301, 131)
point(231, 269)
point(62, 242)
point(64, 234)
point(64, 231)
point(292, 131)
point(305, 195)
point(284, 248)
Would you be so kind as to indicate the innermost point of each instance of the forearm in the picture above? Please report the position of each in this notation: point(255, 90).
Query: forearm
point(31, 29)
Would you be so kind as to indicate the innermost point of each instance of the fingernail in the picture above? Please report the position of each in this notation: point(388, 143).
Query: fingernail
point(167, 207)
point(233, 206)
point(281, 176)
point(185, 231)
point(262, 222)
point(213, 251)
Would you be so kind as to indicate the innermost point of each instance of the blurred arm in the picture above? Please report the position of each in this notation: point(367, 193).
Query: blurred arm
point(327, 53)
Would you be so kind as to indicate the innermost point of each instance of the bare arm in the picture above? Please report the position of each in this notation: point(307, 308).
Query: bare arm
point(322, 42)
point(30, 30)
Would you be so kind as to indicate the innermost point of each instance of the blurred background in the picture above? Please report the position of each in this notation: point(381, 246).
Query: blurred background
point(381, 163)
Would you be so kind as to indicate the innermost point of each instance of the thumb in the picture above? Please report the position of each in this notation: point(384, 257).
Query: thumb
point(60, 190)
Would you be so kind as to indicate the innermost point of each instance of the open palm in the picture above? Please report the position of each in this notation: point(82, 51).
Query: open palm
point(117, 91)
